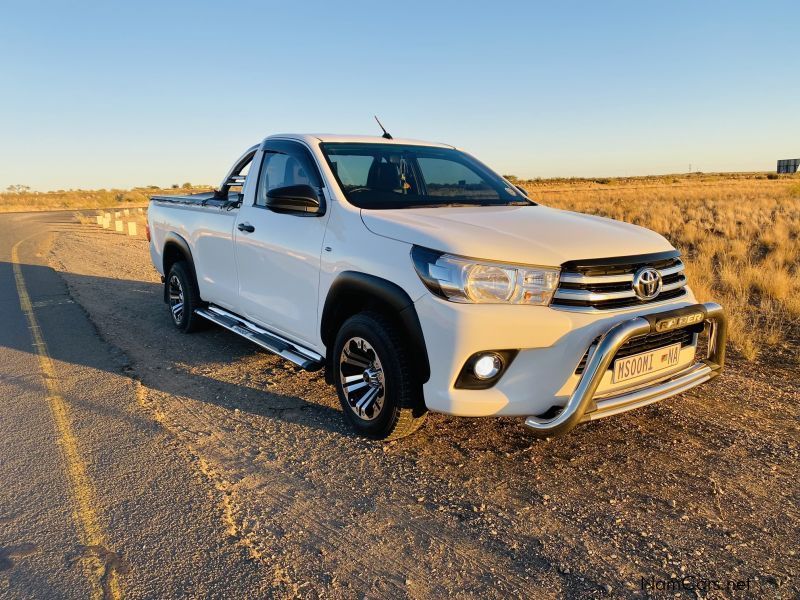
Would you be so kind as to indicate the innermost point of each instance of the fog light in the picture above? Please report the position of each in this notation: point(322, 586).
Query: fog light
point(484, 369)
point(487, 366)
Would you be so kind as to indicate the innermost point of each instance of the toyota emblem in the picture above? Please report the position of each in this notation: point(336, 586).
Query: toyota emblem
point(647, 283)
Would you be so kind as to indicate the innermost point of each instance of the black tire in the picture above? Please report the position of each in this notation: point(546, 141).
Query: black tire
point(397, 408)
point(180, 281)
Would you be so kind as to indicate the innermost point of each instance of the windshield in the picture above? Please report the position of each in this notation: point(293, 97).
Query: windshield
point(381, 176)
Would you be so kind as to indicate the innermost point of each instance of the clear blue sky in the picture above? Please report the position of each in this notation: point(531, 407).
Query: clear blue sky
point(117, 94)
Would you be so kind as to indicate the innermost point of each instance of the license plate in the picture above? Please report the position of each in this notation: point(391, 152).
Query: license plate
point(637, 365)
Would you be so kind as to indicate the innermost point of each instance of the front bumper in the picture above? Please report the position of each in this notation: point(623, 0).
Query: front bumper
point(584, 405)
point(543, 378)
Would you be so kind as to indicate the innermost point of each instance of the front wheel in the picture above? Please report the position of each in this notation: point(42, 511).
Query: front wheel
point(380, 395)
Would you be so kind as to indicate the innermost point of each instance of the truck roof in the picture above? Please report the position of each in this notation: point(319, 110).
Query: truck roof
point(312, 138)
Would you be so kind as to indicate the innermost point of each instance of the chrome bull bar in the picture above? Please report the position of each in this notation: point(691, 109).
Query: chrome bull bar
point(583, 406)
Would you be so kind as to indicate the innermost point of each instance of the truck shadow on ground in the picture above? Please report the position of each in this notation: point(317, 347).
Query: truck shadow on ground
point(166, 360)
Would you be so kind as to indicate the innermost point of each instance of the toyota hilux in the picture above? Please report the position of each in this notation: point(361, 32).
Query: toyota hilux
point(420, 280)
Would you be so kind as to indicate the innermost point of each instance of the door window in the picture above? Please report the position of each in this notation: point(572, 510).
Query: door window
point(284, 164)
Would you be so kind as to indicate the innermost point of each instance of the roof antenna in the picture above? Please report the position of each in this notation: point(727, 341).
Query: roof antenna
point(386, 134)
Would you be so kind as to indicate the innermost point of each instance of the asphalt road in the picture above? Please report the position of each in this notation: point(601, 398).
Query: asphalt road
point(140, 462)
point(95, 501)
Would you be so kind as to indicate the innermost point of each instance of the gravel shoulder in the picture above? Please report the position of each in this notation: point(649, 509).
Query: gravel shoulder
point(705, 484)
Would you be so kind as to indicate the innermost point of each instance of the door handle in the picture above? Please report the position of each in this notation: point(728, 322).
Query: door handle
point(245, 227)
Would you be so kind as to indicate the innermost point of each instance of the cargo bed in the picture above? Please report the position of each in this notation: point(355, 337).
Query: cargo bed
point(209, 199)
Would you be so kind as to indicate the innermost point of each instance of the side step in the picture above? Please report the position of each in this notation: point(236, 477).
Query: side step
point(308, 359)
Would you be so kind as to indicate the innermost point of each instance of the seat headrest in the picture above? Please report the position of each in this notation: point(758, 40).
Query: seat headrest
point(384, 177)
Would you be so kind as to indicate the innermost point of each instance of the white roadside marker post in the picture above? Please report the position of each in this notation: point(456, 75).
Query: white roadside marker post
point(118, 226)
point(132, 228)
point(126, 212)
point(106, 221)
point(100, 219)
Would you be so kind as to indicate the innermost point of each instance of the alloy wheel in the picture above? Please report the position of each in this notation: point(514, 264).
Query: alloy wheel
point(362, 379)
point(176, 299)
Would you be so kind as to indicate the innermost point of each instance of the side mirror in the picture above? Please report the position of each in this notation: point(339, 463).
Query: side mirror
point(294, 199)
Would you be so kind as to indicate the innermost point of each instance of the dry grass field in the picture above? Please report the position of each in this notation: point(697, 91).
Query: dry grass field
point(26, 200)
point(739, 235)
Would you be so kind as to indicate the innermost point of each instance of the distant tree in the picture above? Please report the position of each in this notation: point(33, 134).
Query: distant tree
point(175, 186)
point(511, 178)
point(187, 186)
point(18, 189)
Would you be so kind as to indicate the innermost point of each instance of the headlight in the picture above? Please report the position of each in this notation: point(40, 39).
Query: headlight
point(460, 279)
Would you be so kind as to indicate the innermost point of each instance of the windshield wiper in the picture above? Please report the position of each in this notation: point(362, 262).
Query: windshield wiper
point(438, 204)
point(457, 204)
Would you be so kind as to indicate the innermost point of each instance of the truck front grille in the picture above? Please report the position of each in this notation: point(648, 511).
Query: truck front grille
point(608, 284)
point(643, 343)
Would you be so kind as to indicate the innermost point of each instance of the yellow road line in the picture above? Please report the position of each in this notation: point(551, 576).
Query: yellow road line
point(81, 488)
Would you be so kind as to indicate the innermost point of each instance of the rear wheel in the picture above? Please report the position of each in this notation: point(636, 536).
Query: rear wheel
point(183, 298)
point(380, 395)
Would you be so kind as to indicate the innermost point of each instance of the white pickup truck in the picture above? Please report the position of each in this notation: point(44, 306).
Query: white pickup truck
point(421, 280)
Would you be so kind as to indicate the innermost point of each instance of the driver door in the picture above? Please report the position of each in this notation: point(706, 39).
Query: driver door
point(278, 254)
